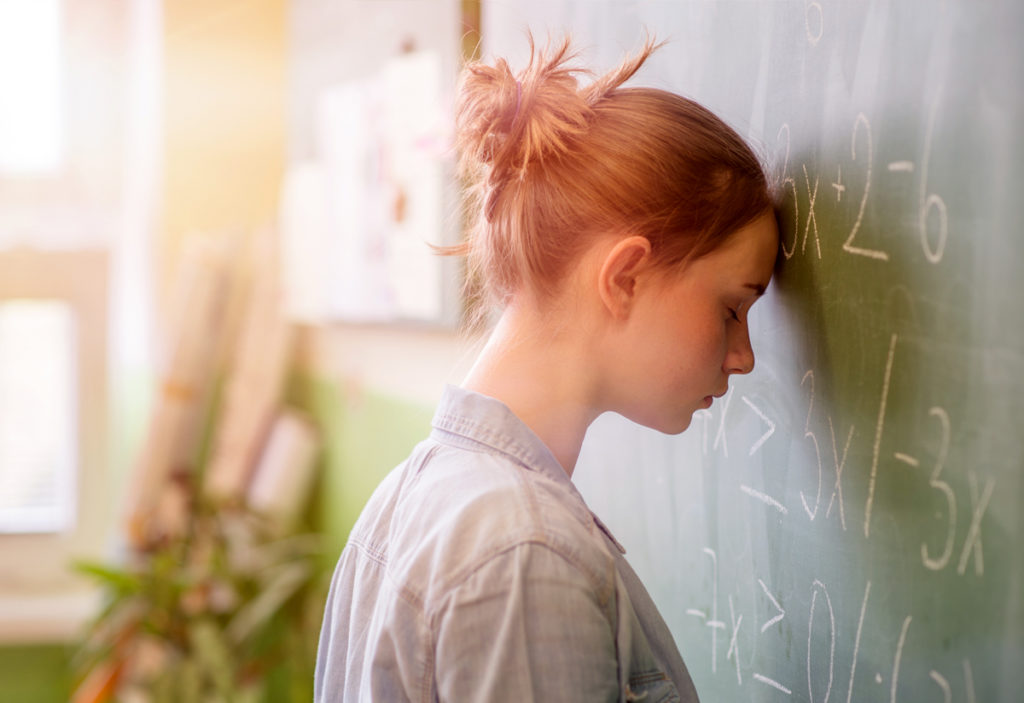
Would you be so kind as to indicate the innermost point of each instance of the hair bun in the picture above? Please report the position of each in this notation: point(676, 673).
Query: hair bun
point(506, 122)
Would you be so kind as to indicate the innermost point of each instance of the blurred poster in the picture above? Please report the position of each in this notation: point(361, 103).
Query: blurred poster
point(358, 222)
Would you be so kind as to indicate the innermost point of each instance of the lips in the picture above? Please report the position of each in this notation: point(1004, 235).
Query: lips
point(708, 399)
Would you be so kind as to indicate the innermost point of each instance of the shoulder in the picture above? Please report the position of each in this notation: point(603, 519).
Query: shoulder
point(459, 510)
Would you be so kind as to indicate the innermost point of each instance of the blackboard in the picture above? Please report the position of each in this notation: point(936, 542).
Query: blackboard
point(845, 525)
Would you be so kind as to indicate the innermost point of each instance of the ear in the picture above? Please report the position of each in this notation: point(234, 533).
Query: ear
point(618, 274)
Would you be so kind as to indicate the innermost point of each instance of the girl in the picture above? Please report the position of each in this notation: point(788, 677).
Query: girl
point(625, 233)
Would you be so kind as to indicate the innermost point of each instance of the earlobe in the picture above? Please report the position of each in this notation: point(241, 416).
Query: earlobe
point(617, 279)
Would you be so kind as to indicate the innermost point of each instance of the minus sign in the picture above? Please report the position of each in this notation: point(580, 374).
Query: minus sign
point(906, 459)
point(773, 683)
point(901, 166)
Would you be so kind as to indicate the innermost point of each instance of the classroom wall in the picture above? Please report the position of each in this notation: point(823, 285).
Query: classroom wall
point(224, 104)
point(354, 378)
point(35, 674)
point(372, 391)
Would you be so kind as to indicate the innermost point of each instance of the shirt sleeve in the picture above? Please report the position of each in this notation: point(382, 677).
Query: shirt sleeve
point(526, 626)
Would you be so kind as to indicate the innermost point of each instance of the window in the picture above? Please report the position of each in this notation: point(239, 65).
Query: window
point(38, 445)
point(79, 155)
point(55, 504)
point(30, 87)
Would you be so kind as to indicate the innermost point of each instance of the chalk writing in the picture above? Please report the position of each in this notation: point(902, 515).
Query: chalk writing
point(848, 245)
point(936, 563)
point(808, 434)
point(856, 641)
point(720, 437)
point(815, 28)
point(781, 613)
point(714, 623)
point(771, 425)
point(764, 498)
point(839, 464)
point(927, 201)
point(832, 637)
point(773, 683)
point(947, 692)
point(837, 185)
point(734, 647)
point(896, 659)
point(789, 182)
point(973, 541)
point(812, 195)
point(878, 436)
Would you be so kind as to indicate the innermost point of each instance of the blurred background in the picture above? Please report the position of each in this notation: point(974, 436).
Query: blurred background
point(215, 290)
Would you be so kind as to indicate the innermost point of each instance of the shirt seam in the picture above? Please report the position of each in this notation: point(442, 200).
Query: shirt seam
point(480, 433)
point(376, 555)
point(605, 601)
point(605, 598)
point(401, 590)
point(573, 503)
point(605, 585)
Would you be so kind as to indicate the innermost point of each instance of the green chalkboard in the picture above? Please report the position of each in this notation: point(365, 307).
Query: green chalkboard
point(846, 524)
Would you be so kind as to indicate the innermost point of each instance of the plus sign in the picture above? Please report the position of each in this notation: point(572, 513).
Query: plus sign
point(838, 185)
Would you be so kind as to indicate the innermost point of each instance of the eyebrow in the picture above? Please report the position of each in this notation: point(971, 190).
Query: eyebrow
point(756, 287)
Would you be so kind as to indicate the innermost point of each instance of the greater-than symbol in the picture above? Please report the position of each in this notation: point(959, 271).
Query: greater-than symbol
point(771, 426)
point(781, 614)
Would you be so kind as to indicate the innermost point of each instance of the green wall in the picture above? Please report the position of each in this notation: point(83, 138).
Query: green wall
point(35, 674)
point(365, 434)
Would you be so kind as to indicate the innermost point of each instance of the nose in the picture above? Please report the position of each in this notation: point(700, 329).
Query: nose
point(740, 357)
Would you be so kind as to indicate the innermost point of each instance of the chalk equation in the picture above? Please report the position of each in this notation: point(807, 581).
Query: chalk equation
point(821, 661)
point(932, 219)
point(954, 498)
point(831, 463)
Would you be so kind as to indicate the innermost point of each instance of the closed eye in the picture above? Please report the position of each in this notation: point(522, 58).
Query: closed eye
point(733, 314)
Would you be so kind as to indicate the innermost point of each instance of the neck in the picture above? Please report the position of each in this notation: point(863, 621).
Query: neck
point(540, 371)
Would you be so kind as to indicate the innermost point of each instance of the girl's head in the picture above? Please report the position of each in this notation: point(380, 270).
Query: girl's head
point(553, 167)
point(628, 230)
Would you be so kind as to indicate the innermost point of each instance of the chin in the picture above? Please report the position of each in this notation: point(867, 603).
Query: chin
point(670, 422)
point(675, 426)
point(682, 426)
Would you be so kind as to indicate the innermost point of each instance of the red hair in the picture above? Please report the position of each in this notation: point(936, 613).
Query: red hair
point(551, 165)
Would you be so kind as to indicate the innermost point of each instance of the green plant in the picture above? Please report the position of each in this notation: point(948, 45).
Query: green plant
point(225, 610)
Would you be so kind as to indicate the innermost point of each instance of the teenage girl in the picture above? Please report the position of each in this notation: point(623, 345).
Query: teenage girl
point(625, 234)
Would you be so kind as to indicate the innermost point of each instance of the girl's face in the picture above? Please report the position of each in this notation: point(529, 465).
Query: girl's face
point(690, 329)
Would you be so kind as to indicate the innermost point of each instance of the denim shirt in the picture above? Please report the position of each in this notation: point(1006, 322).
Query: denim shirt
point(476, 572)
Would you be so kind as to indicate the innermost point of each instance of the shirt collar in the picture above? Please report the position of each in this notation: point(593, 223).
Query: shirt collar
point(467, 417)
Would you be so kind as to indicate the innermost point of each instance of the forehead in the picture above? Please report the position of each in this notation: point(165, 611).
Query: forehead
point(748, 253)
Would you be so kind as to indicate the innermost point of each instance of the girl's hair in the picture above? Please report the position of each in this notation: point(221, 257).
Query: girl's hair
point(550, 165)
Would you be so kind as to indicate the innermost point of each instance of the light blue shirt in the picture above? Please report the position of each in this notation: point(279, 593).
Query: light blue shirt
point(476, 572)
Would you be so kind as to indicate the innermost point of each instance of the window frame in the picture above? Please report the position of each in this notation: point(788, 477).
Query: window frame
point(41, 597)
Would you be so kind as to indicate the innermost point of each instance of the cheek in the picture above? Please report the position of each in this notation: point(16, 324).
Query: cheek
point(712, 340)
point(697, 353)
